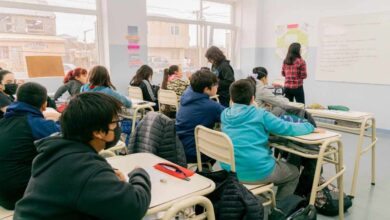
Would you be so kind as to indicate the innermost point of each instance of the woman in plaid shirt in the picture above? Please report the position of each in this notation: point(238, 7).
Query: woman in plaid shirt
point(294, 71)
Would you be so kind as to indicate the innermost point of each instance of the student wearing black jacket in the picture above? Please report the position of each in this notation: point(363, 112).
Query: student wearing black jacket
point(71, 181)
point(221, 67)
point(142, 80)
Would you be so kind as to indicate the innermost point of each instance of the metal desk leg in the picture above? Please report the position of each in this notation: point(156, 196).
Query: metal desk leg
point(358, 156)
point(340, 179)
point(317, 174)
point(373, 139)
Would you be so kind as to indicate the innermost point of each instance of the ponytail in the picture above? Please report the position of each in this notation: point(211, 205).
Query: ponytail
point(69, 76)
point(165, 79)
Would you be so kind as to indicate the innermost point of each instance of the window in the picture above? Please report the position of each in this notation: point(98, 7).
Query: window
point(179, 32)
point(4, 52)
point(46, 31)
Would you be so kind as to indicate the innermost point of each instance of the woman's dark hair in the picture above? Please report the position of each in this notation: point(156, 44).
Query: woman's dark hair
point(294, 52)
point(143, 73)
point(32, 93)
point(260, 72)
point(202, 79)
point(168, 72)
point(72, 74)
point(3, 73)
point(88, 112)
point(99, 76)
point(215, 54)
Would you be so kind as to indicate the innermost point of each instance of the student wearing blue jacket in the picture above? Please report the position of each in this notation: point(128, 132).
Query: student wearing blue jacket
point(99, 81)
point(196, 108)
point(249, 128)
point(23, 123)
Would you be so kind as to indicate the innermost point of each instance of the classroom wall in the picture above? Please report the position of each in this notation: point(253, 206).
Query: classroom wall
point(117, 16)
point(360, 97)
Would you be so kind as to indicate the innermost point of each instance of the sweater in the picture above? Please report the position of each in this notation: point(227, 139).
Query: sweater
point(21, 126)
point(72, 87)
point(70, 180)
point(225, 74)
point(195, 109)
point(248, 127)
point(265, 96)
point(107, 90)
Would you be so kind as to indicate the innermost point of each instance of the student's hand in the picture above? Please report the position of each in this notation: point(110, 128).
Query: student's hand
point(120, 175)
point(319, 130)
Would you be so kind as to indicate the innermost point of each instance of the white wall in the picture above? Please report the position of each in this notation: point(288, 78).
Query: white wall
point(117, 16)
point(360, 97)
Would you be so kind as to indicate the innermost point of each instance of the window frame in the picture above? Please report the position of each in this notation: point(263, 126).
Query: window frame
point(203, 26)
point(68, 10)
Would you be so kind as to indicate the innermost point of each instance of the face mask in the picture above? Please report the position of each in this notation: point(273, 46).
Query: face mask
point(117, 132)
point(10, 89)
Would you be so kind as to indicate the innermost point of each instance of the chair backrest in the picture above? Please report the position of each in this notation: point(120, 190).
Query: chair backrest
point(190, 202)
point(214, 144)
point(135, 93)
point(167, 97)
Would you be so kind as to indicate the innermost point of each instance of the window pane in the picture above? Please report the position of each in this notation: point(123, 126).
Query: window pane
point(28, 33)
point(84, 4)
point(183, 9)
point(222, 38)
point(165, 48)
point(217, 12)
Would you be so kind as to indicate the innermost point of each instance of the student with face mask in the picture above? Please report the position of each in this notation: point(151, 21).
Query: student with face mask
point(70, 180)
point(8, 89)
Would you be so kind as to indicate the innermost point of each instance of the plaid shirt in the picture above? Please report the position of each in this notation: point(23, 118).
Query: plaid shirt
point(294, 74)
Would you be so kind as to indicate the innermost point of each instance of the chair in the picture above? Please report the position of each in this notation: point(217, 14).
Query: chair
point(167, 97)
point(188, 203)
point(135, 93)
point(218, 146)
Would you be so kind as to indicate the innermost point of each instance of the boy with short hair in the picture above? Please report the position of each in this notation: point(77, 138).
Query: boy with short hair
point(70, 180)
point(196, 108)
point(249, 128)
point(23, 123)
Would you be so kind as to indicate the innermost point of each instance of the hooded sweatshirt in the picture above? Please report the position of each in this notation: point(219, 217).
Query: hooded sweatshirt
point(70, 180)
point(195, 109)
point(21, 126)
point(248, 127)
point(107, 90)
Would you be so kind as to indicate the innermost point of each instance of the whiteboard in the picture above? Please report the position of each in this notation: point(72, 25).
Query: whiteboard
point(354, 48)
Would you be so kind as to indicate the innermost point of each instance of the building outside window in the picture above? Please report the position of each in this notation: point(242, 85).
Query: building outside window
point(47, 28)
point(180, 31)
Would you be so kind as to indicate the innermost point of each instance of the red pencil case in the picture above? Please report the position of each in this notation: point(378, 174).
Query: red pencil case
point(174, 170)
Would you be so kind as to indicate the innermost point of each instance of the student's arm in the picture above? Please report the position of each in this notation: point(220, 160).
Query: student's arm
point(302, 70)
point(283, 73)
point(61, 91)
point(125, 101)
point(219, 109)
point(42, 128)
point(106, 197)
point(4, 109)
point(265, 95)
point(278, 126)
point(147, 92)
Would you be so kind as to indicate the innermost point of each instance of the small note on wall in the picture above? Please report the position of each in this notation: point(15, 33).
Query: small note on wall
point(44, 66)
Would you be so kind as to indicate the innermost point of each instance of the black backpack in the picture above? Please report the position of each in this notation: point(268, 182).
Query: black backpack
point(327, 200)
point(293, 207)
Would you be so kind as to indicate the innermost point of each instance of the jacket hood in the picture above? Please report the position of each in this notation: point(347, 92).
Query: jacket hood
point(190, 96)
point(89, 88)
point(239, 113)
point(53, 148)
point(20, 108)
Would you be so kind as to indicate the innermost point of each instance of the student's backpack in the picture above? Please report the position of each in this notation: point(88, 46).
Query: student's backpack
point(327, 200)
point(293, 207)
